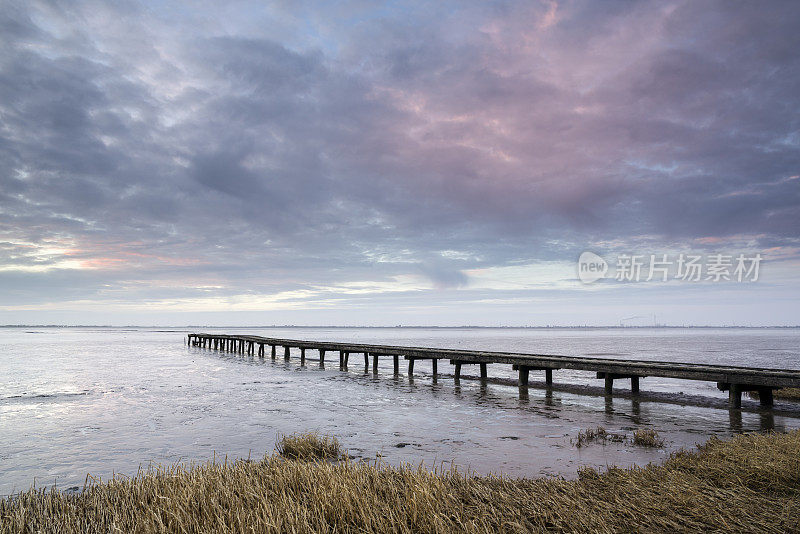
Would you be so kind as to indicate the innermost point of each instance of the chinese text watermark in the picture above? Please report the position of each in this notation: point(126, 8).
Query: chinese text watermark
point(665, 267)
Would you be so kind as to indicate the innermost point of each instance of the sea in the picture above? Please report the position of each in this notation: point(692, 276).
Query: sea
point(88, 403)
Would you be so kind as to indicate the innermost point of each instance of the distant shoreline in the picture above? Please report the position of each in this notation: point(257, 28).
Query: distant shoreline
point(428, 327)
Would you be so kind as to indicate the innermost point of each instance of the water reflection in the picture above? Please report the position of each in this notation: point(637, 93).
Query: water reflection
point(766, 420)
point(735, 418)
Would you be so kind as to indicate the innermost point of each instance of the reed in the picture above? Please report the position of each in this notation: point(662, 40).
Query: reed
point(647, 437)
point(595, 435)
point(792, 394)
point(308, 446)
point(748, 484)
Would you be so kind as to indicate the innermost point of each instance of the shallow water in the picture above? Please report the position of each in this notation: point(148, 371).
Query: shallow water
point(108, 400)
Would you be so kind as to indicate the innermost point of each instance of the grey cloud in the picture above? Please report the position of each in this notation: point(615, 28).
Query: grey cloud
point(444, 127)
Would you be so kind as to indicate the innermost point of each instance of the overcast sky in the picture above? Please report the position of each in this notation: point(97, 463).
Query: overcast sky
point(401, 163)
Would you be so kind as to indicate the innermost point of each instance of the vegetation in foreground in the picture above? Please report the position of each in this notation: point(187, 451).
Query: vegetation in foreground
point(750, 483)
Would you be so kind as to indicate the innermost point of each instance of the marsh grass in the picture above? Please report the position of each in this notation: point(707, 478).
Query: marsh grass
point(792, 394)
point(644, 437)
point(647, 437)
point(596, 435)
point(309, 446)
point(748, 484)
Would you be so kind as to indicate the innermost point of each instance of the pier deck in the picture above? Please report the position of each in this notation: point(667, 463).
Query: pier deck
point(733, 379)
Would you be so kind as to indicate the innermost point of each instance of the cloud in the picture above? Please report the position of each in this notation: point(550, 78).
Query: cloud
point(270, 149)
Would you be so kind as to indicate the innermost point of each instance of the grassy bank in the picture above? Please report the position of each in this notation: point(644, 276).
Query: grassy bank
point(792, 394)
point(751, 483)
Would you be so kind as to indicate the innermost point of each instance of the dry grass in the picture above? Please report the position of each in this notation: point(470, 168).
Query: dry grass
point(792, 394)
point(595, 435)
point(647, 437)
point(748, 484)
point(787, 394)
point(644, 437)
point(309, 446)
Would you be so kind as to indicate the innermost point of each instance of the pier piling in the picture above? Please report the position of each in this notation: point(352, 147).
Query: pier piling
point(735, 380)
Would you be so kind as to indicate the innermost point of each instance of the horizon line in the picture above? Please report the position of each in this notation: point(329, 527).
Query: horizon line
point(529, 327)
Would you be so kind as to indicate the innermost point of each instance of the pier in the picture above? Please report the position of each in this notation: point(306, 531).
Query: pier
point(733, 379)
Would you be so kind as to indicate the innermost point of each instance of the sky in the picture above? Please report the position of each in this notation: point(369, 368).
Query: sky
point(399, 163)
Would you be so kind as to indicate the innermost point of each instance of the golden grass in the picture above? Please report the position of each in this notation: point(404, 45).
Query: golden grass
point(792, 394)
point(748, 484)
point(644, 437)
point(595, 435)
point(309, 446)
point(787, 393)
point(647, 437)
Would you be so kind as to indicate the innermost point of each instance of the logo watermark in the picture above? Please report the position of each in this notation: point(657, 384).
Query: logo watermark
point(591, 267)
point(665, 267)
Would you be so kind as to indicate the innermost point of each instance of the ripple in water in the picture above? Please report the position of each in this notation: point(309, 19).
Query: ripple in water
point(110, 400)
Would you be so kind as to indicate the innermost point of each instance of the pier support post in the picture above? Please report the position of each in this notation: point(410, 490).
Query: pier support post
point(260, 350)
point(375, 364)
point(765, 396)
point(272, 351)
point(410, 366)
point(735, 396)
point(548, 376)
point(396, 364)
point(458, 370)
point(609, 384)
point(484, 374)
point(341, 358)
point(302, 356)
point(435, 364)
point(321, 355)
point(286, 353)
point(523, 375)
point(366, 359)
point(635, 385)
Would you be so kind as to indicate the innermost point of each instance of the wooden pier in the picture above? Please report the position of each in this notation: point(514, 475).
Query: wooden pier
point(735, 380)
